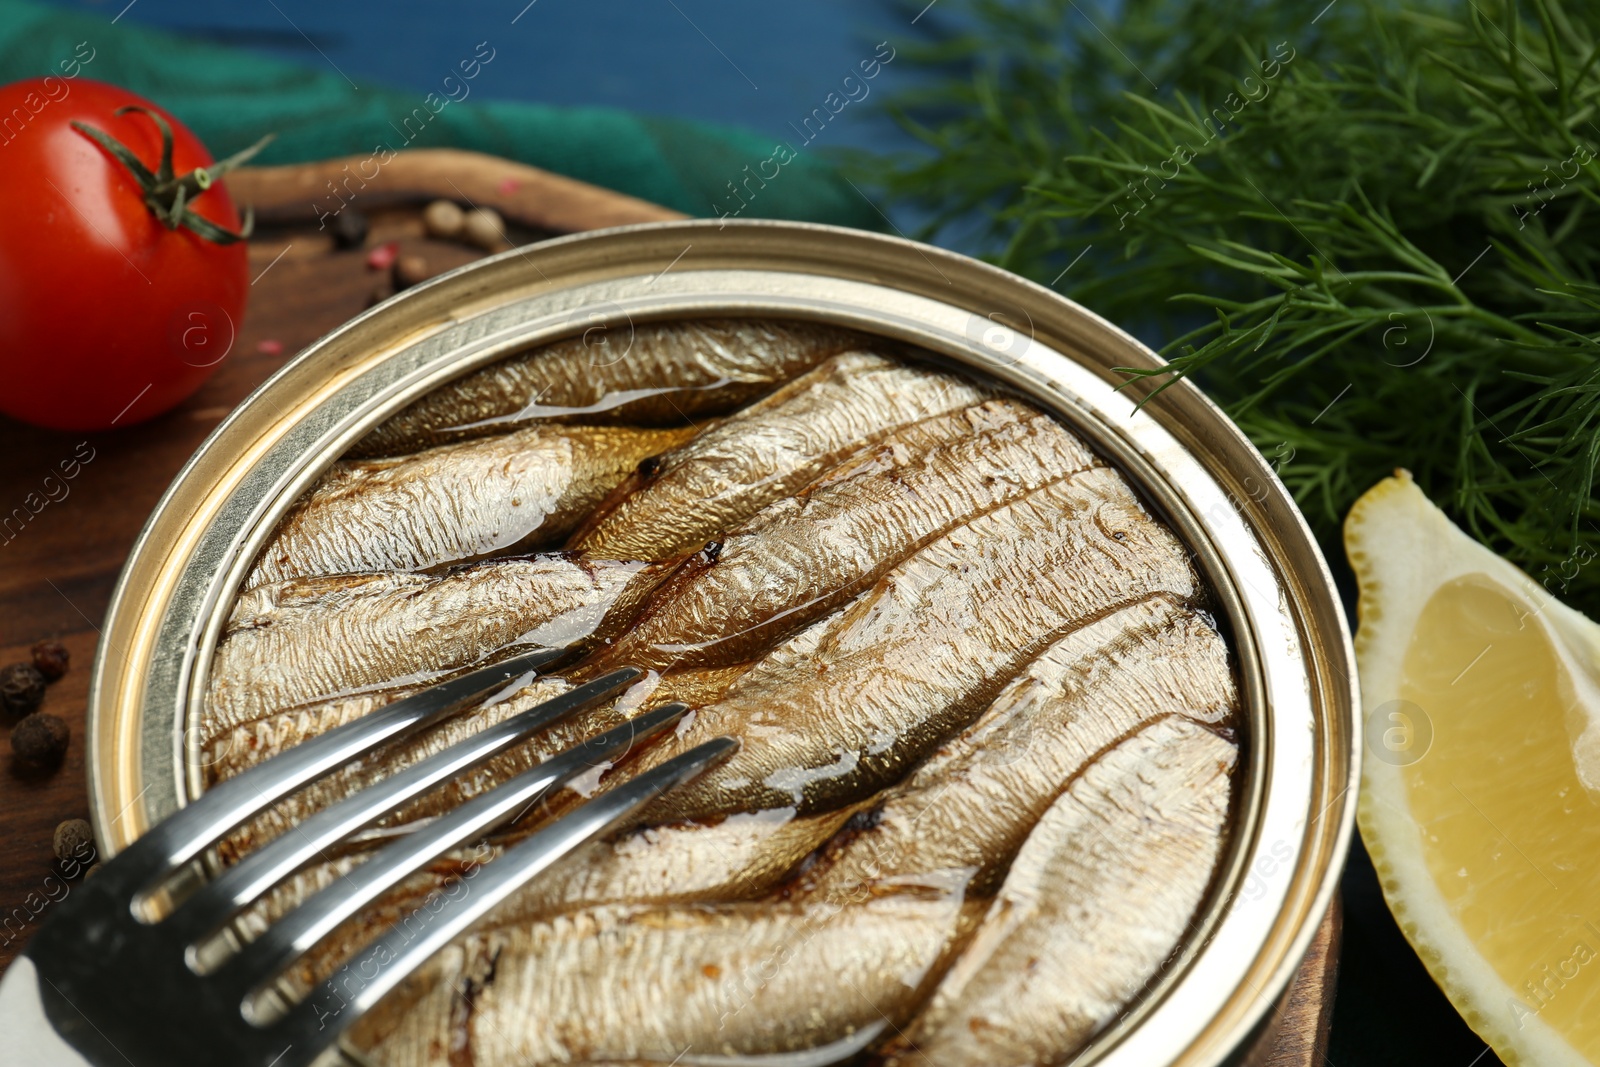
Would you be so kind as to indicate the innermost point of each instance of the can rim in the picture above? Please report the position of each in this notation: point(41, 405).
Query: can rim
point(166, 610)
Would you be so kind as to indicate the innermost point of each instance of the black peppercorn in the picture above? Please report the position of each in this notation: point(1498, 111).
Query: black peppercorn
point(349, 228)
point(21, 687)
point(40, 741)
point(50, 658)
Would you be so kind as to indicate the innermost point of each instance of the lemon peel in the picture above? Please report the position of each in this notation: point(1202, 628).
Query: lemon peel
point(1479, 800)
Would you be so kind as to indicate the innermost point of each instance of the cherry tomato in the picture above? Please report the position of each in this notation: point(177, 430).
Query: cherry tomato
point(115, 301)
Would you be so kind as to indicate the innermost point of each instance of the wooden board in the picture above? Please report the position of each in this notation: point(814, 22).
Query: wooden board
point(57, 572)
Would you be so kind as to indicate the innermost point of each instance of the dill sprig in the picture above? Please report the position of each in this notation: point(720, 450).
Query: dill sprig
point(1370, 233)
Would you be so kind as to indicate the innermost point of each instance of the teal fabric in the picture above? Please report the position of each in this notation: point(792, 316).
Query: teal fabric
point(230, 97)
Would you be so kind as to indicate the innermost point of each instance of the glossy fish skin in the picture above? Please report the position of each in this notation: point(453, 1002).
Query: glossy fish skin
point(652, 374)
point(249, 743)
point(636, 982)
point(974, 801)
point(736, 858)
point(310, 639)
point(439, 876)
point(847, 707)
point(361, 774)
point(682, 499)
point(1099, 897)
point(456, 502)
point(225, 753)
point(739, 858)
point(228, 752)
point(802, 556)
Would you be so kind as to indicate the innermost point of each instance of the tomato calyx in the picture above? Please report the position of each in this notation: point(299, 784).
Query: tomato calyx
point(167, 195)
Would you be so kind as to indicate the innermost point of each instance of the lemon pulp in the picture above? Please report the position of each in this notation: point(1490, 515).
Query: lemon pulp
point(1505, 717)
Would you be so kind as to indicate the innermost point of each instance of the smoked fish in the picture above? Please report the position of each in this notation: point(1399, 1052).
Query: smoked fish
point(846, 707)
point(804, 555)
point(986, 723)
point(656, 374)
point(455, 503)
point(675, 503)
point(738, 858)
point(675, 984)
point(973, 802)
point(248, 743)
point(309, 639)
point(1099, 897)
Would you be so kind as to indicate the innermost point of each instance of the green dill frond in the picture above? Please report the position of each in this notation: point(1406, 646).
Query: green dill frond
point(1372, 234)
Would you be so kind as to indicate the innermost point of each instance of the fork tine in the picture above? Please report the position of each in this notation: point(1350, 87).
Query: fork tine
point(212, 905)
point(193, 829)
point(406, 945)
point(295, 934)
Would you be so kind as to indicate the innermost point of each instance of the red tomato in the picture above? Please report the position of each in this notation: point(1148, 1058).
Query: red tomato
point(107, 315)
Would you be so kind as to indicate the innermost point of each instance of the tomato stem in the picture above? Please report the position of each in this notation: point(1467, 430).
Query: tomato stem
point(167, 195)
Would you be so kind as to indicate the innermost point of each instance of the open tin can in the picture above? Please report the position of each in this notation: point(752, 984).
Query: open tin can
point(1295, 788)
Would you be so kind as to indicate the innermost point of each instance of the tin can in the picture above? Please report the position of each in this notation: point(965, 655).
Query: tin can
point(1296, 667)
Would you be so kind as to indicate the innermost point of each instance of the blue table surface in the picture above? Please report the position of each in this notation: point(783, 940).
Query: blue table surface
point(761, 67)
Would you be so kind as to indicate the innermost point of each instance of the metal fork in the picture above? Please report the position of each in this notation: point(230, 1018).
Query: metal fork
point(131, 970)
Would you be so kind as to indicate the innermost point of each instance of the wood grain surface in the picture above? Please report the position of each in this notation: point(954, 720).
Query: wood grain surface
point(58, 569)
point(1297, 1034)
point(535, 198)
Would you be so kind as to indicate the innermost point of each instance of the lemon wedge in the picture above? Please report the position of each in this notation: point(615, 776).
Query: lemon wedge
point(1480, 786)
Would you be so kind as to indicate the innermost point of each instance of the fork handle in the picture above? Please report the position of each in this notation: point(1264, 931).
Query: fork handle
point(30, 1028)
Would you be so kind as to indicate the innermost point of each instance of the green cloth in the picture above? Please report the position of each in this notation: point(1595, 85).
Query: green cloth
point(230, 97)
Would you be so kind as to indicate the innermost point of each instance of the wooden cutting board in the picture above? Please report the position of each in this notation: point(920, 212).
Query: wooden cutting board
point(58, 570)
